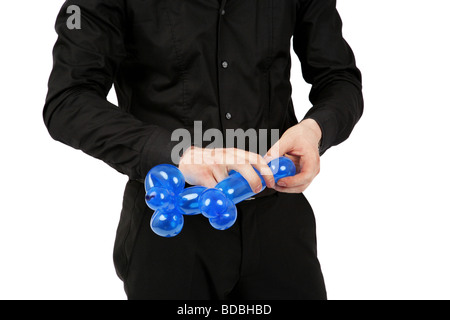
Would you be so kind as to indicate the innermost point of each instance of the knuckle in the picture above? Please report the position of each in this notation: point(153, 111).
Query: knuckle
point(204, 173)
point(253, 180)
point(257, 183)
point(234, 152)
point(257, 187)
point(214, 166)
point(260, 160)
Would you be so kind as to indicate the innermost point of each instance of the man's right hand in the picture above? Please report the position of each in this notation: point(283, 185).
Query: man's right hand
point(207, 167)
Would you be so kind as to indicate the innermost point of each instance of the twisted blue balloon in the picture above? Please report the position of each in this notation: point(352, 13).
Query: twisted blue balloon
point(166, 195)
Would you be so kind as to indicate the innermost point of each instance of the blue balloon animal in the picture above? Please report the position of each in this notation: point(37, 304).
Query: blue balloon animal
point(165, 193)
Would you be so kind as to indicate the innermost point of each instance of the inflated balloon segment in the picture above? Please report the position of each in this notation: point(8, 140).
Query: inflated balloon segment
point(167, 196)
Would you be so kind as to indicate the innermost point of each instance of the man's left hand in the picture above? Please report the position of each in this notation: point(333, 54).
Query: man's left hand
point(300, 144)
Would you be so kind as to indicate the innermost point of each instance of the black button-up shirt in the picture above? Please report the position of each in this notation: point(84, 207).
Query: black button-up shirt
point(223, 62)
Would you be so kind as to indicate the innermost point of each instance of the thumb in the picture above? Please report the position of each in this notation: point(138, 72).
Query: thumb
point(280, 148)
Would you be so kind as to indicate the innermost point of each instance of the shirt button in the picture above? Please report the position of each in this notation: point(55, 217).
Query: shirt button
point(224, 64)
point(228, 116)
point(222, 12)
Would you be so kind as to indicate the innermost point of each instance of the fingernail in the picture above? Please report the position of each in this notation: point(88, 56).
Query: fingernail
point(258, 189)
point(281, 184)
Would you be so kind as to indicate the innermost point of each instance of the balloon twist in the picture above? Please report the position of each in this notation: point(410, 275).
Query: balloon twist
point(167, 196)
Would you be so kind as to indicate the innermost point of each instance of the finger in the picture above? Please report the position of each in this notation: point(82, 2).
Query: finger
point(250, 175)
point(259, 164)
point(219, 172)
point(206, 178)
point(296, 160)
point(298, 189)
point(309, 169)
point(280, 148)
point(265, 172)
point(240, 156)
point(218, 154)
point(209, 182)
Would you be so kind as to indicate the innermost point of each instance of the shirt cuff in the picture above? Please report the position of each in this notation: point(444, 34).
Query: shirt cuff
point(157, 150)
point(328, 124)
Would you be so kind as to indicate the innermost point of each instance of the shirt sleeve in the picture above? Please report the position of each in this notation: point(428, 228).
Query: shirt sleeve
point(328, 64)
point(76, 110)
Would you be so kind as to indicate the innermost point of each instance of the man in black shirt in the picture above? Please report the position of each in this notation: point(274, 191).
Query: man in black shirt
point(227, 64)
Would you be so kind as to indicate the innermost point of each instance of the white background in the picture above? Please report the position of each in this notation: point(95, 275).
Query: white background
point(381, 199)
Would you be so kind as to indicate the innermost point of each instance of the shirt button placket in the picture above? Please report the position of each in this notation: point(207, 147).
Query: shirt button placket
point(223, 64)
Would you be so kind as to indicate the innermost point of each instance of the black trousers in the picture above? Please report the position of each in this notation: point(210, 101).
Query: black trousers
point(270, 253)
